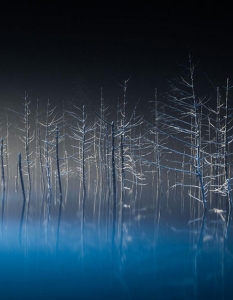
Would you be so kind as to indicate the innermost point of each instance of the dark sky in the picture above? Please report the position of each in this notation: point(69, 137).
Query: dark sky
point(58, 51)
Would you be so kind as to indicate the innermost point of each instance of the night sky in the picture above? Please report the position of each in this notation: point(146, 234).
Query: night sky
point(61, 51)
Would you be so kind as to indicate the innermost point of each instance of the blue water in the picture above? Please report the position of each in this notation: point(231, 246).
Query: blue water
point(143, 259)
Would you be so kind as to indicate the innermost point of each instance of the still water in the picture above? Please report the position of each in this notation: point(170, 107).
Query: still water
point(147, 256)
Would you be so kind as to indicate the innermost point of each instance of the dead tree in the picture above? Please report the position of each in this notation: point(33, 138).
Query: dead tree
point(80, 133)
point(180, 134)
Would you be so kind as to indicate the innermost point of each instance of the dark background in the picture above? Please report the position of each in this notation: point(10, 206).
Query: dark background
point(63, 51)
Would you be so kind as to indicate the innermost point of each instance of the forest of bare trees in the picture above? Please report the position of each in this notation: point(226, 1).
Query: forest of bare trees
point(106, 158)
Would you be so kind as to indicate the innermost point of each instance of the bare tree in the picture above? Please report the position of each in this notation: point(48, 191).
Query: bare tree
point(180, 134)
point(82, 147)
point(49, 146)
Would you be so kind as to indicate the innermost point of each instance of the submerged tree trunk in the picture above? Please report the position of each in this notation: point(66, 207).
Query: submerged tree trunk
point(59, 184)
point(24, 195)
point(113, 171)
point(58, 165)
point(3, 182)
point(47, 164)
point(226, 149)
point(122, 169)
point(27, 140)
